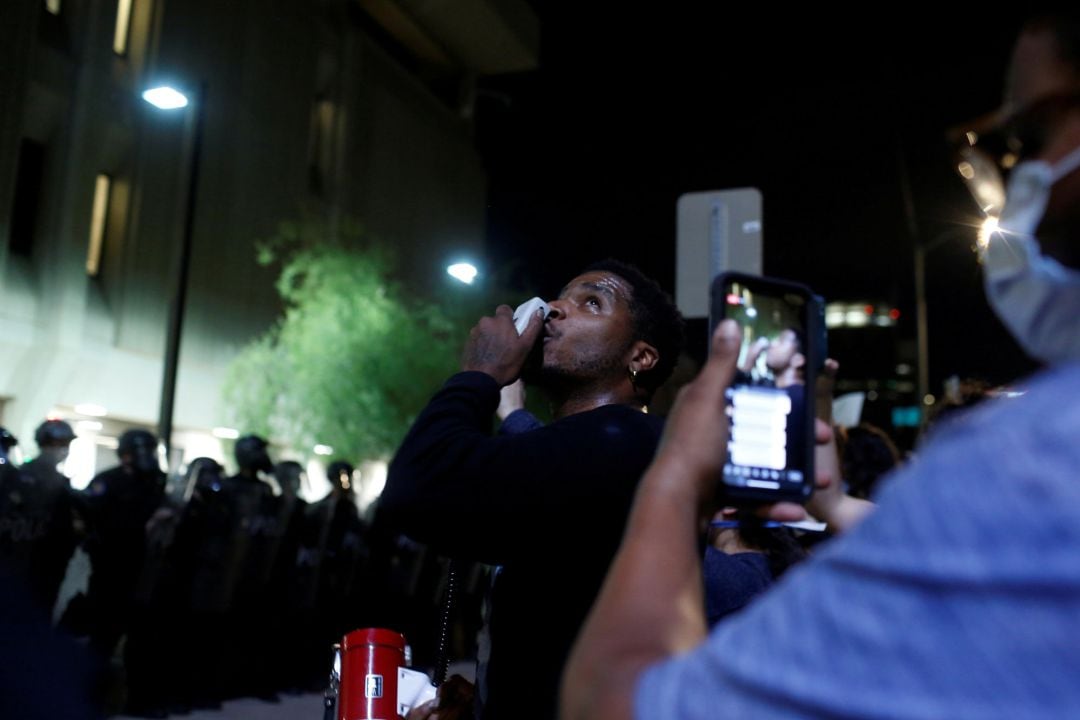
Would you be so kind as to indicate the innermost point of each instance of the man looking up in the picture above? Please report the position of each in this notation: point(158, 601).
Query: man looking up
point(548, 505)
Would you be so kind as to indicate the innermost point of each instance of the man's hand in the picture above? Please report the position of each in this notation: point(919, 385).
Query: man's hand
point(695, 436)
point(753, 353)
point(455, 702)
point(495, 348)
point(829, 503)
point(823, 390)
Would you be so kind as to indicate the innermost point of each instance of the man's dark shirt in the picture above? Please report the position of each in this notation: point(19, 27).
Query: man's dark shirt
point(549, 506)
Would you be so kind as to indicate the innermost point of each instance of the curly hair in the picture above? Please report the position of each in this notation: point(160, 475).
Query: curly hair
point(657, 320)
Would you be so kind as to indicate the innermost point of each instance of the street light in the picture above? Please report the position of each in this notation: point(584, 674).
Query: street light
point(168, 99)
point(165, 98)
point(465, 272)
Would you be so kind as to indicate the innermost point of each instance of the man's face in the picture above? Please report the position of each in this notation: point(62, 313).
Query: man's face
point(590, 329)
point(141, 458)
point(782, 351)
point(1036, 77)
point(56, 451)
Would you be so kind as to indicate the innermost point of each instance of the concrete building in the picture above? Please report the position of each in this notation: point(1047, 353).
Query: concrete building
point(325, 109)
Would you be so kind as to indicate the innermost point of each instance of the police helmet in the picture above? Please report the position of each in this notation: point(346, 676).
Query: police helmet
point(251, 453)
point(132, 442)
point(53, 432)
point(7, 440)
point(340, 474)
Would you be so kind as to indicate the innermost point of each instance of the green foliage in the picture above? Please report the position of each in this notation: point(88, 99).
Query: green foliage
point(355, 356)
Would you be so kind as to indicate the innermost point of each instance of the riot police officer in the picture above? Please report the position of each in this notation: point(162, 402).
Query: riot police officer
point(61, 505)
point(53, 438)
point(343, 554)
point(119, 503)
point(7, 441)
point(203, 559)
point(38, 527)
point(256, 538)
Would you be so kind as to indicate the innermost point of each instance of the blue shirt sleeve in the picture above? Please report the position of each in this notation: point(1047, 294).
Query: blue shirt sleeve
point(958, 597)
point(519, 421)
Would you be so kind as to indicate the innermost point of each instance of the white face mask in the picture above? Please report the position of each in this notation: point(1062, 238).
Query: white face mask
point(1035, 296)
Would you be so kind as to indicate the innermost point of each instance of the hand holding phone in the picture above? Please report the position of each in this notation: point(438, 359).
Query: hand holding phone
point(770, 447)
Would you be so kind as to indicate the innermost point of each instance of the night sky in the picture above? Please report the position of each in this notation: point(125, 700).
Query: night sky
point(825, 114)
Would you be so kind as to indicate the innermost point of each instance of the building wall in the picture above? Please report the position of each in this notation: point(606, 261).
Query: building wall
point(305, 116)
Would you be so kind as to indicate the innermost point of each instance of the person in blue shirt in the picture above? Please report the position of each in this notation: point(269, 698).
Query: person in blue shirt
point(959, 595)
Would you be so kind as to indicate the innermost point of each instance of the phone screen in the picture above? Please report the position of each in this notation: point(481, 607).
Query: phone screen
point(769, 405)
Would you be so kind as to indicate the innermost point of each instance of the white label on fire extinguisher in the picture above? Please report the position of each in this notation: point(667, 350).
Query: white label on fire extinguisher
point(373, 686)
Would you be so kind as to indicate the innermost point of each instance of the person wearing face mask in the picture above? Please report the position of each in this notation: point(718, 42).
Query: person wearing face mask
point(1033, 288)
point(959, 596)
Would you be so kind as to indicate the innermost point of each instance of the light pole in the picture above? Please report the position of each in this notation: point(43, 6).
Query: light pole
point(921, 328)
point(981, 234)
point(169, 99)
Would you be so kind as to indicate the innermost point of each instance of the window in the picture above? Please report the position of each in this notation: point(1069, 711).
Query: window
point(102, 188)
point(123, 22)
point(29, 183)
point(321, 147)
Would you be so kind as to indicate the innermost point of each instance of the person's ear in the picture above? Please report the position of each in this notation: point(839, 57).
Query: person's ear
point(643, 356)
point(798, 360)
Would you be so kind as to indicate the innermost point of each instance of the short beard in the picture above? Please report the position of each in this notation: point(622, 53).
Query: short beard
point(564, 379)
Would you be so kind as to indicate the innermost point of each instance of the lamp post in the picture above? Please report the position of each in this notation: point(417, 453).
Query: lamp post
point(170, 99)
point(921, 328)
point(966, 232)
point(921, 250)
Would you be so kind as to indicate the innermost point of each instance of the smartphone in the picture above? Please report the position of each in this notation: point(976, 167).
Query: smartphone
point(770, 403)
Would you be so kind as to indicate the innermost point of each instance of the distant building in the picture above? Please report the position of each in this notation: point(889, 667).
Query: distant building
point(879, 359)
point(333, 108)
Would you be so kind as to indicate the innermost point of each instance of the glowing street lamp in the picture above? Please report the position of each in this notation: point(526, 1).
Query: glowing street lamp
point(165, 97)
point(464, 272)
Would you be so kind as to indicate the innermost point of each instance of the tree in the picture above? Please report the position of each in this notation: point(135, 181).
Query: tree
point(355, 356)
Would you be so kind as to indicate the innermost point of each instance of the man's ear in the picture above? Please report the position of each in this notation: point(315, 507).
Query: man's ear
point(643, 356)
point(798, 360)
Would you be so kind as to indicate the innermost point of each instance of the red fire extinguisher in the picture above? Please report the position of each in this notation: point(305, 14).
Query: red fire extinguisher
point(370, 660)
